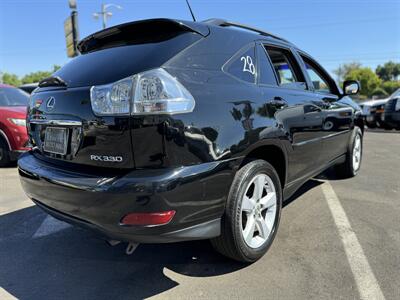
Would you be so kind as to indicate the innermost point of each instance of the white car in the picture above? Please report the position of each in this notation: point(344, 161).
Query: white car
point(372, 111)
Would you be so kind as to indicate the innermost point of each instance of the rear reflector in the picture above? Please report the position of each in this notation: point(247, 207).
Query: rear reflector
point(147, 219)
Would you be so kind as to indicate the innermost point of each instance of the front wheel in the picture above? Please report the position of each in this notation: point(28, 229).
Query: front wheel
point(371, 124)
point(4, 154)
point(252, 213)
point(352, 164)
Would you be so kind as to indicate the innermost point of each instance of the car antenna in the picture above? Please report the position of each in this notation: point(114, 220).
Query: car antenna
point(191, 12)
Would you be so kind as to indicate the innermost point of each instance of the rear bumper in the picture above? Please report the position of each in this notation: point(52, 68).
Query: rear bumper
point(197, 194)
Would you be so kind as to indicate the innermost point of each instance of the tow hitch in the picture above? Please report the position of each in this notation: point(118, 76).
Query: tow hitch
point(131, 248)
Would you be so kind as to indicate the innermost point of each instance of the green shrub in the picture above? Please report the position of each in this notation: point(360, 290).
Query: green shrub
point(379, 92)
point(390, 86)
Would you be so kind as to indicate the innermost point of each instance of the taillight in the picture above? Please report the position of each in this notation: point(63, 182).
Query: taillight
point(150, 92)
point(148, 219)
point(112, 99)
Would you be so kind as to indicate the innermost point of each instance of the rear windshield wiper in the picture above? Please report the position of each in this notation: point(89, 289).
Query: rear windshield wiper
point(52, 81)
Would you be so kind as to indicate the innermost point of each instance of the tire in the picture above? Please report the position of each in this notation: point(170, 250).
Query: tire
point(4, 154)
point(350, 168)
point(387, 126)
point(237, 220)
point(371, 125)
point(329, 124)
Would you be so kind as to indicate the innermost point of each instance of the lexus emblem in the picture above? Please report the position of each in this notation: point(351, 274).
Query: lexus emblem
point(51, 102)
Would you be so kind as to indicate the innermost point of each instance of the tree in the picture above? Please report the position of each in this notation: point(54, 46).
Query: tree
point(368, 79)
point(35, 76)
point(11, 79)
point(39, 75)
point(391, 86)
point(379, 92)
point(56, 68)
point(389, 71)
point(343, 70)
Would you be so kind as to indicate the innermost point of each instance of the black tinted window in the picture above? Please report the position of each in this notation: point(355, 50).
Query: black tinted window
point(266, 75)
point(13, 97)
point(109, 65)
point(286, 68)
point(243, 65)
point(311, 108)
point(319, 80)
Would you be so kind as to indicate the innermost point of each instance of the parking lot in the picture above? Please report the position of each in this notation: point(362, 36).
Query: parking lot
point(338, 239)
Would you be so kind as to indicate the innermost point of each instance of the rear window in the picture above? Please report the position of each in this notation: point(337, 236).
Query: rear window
point(112, 64)
point(13, 97)
point(243, 65)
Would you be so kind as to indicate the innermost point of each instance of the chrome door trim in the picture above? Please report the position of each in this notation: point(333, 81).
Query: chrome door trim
point(55, 122)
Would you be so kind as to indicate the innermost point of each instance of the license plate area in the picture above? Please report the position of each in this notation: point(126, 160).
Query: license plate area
point(56, 140)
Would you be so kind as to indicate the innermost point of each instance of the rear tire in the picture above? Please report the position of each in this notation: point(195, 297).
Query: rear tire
point(4, 154)
point(352, 165)
point(387, 127)
point(371, 125)
point(252, 213)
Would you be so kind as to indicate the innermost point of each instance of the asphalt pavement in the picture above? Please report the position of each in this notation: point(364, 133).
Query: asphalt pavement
point(338, 239)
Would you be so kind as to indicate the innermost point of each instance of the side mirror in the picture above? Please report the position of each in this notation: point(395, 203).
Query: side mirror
point(351, 87)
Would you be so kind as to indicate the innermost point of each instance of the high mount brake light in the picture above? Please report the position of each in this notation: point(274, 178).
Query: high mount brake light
point(150, 92)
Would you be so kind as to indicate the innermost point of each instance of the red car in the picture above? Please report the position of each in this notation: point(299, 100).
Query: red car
point(13, 135)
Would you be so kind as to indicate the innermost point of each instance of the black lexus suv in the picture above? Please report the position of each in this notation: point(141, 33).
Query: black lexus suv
point(165, 131)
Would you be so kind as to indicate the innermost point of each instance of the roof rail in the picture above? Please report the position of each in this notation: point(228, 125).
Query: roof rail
point(225, 23)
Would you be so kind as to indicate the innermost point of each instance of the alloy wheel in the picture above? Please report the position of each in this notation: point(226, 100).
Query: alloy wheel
point(357, 152)
point(258, 210)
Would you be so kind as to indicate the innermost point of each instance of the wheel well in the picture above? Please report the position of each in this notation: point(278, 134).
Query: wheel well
point(273, 155)
point(360, 123)
point(4, 139)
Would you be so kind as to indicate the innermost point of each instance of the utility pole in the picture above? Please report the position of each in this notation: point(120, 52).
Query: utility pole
point(104, 14)
point(71, 30)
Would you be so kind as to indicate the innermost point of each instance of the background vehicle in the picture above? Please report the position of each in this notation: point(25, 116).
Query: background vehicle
point(180, 130)
point(372, 111)
point(28, 87)
point(392, 111)
point(13, 135)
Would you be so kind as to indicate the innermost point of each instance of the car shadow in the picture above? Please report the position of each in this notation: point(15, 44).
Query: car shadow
point(309, 185)
point(10, 165)
point(73, 263)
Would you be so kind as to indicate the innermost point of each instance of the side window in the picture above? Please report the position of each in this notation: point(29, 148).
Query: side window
point(285, 66)
point(243, 65)
point(321, 84)
point(3, 99)
point(311, 109)
point(266, 73)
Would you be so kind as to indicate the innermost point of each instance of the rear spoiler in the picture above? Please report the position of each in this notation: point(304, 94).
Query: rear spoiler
point(139, 32)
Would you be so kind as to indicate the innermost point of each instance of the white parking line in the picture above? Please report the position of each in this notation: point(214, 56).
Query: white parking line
point(4, 295)
point(367, 284)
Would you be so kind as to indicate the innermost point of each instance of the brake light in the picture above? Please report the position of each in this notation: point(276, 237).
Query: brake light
point(150, 92)
point(148, 219)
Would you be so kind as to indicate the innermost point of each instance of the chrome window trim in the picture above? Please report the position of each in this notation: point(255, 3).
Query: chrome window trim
point(56, 122)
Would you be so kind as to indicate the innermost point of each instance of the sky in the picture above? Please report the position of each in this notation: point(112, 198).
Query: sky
point(332, 31)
